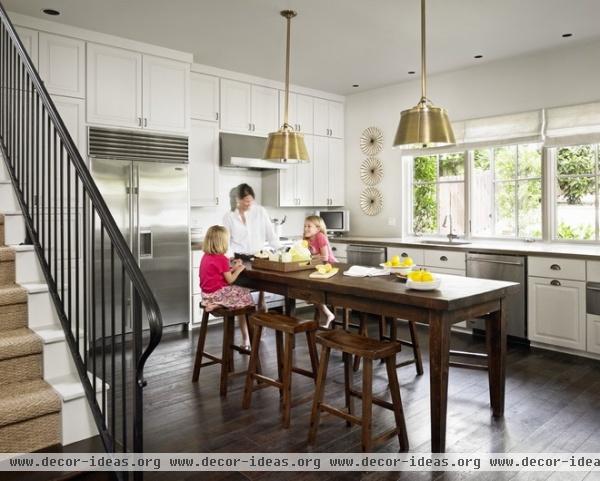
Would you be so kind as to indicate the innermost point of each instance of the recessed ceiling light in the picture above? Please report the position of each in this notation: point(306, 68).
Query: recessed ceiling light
point(50, 11)
point(478, 56)
point(566, 35)
point(355, 85)
point(411, 72)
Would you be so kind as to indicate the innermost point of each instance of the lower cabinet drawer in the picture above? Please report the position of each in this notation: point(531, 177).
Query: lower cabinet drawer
point(339, 250)
point(593, 333)
point(556, 268)
point(446, 259)
point(415, 254)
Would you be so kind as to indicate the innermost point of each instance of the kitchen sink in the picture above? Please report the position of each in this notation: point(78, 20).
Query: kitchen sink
point(445, 243)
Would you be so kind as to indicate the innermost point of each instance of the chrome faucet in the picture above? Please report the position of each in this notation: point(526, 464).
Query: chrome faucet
point(451, 235)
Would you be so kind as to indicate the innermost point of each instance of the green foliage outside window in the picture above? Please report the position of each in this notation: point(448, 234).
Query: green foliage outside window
point(575, 161)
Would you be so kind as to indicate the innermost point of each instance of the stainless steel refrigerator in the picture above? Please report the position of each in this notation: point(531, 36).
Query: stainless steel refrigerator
point(144, 181)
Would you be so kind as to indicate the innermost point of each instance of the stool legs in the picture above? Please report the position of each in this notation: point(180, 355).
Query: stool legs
point(253, 365)
point(227, 354)
point(200, 348)
point(416, 349)
point(348, 374)
point(367, 405)
point(279, 348)
point(397, 403)
point(311, 339)
point(287, 379)
point(362, 330)
point(315, 415)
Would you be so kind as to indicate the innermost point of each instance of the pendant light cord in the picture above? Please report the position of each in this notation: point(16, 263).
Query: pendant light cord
point(287, 71)
point(423, 56)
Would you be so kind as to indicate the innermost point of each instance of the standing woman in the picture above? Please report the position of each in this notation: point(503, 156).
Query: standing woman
point(250, 228)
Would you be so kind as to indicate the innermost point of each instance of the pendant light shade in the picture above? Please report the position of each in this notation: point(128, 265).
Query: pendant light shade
point(286, 145)
point(424, 125)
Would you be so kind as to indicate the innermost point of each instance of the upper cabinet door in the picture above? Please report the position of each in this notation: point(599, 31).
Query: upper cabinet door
point(205, 97)
point(29, 39)
point(72, 111)
point(291, 110)
point(320, 163)
point(62, 65)
point(235, 106)
point(336, 172)
point(204, 163)
point(304, 113)
point(321, 117)
point(114, 86)
point(166, 94)
point(305, 176)
point(336, 119)
point(265, 110)
point(287, 186)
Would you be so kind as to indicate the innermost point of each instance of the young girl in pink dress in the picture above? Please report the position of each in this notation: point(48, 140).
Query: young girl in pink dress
point(315, 232)
point(217, 277)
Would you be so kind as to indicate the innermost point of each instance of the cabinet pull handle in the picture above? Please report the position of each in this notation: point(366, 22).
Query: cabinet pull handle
point(139, 119)
point(145, 122)
point(555, 267)
point(443, 258)
point(216, 115)
point(555, 282)
point(253, 127)
point(404, 254)
point(217, 200)
point(250, 127)
point(299, 127)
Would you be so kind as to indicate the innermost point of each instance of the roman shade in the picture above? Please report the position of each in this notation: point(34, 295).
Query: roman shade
point(572, 125)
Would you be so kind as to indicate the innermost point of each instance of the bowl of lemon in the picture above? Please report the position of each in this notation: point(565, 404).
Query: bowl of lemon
point(423, 280)
point(399, 266)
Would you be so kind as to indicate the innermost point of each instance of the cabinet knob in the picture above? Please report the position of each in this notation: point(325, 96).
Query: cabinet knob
point(555, 282)
point(555, 267)
point(443, 258)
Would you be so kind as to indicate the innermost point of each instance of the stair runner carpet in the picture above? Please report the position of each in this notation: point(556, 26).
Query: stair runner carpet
point(29, 407)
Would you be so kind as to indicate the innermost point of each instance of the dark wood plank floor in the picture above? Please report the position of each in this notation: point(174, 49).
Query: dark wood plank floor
point(552, 404)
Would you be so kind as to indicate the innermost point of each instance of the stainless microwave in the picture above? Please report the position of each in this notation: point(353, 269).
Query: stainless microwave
point(335, 220)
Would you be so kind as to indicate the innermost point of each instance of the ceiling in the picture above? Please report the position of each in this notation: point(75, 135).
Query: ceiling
point(335, 43)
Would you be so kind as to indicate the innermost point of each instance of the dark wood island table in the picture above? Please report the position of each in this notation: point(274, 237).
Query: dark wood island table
point(457, 299)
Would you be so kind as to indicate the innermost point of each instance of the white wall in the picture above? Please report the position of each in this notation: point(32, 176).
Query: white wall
point(228, 179)
point(551, 78)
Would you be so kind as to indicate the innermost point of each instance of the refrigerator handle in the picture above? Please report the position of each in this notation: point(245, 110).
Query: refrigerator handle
point(146, 244)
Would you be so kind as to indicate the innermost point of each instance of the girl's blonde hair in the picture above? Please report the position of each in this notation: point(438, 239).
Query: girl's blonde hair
point(318, 222)
point(216, 240)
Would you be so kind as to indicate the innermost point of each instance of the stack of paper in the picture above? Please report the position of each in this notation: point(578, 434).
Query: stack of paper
point(362, 271)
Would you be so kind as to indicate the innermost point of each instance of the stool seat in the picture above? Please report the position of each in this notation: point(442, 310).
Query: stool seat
point(357, 345)
point(283, 323)
point(223, 311)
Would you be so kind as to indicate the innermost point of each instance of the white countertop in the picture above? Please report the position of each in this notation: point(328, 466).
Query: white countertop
point(491, 246)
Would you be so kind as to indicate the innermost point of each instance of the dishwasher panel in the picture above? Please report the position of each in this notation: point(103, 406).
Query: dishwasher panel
point(502, 268)
point(370, 256)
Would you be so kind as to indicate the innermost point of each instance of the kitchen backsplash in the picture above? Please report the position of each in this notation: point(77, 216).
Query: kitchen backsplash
point(204, 217)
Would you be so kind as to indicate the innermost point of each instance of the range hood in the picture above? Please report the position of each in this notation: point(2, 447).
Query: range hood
point(245, 152)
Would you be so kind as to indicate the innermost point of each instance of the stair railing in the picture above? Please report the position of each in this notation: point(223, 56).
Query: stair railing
point(99, 292)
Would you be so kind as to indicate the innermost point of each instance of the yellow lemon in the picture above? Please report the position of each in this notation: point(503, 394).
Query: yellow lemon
point(408, 261)
point(304, 243)
point(396, 261)
point(415, 276)
point(388, 264)
point(322, 269)
point(426, 277)
point(328, 267)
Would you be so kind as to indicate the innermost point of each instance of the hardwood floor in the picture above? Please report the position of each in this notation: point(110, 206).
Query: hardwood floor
point(552, 404)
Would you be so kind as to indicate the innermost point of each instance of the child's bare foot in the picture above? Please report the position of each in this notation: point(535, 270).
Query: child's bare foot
point(329, 320)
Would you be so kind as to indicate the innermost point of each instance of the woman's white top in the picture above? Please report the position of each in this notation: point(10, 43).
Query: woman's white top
point(250, 237)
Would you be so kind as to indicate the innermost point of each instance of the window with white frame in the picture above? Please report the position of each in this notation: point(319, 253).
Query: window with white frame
point(576, 174)
point(438, 192)
point(506, 191)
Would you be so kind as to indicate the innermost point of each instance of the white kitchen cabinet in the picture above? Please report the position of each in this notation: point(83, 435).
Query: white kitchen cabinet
point(29, 39)
point(554, 267)
point(248, 109)
point(204, 163)
point(301, 112)
point(415, 254)
point(204, 97)
point(128, 89)
point(165, 94)
point(62, 64)
point(264, 110)
point(328, 118)
point(72, 112)
point(445, 259)
point(339, 251)
point(556, 312)
point(329, 176)
point(294, 185)
point(593, 333)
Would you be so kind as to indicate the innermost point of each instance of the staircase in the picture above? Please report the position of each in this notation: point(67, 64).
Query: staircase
point(42, 401)
point(72, 300)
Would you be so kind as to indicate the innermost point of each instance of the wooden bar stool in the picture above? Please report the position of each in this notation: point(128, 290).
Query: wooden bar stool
point(369, 350)
point(226, 359)
point(281, 325)
point(413, 343)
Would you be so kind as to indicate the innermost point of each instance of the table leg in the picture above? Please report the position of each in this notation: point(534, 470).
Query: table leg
point(290, 306)
point(495, 327)
point(439, 353)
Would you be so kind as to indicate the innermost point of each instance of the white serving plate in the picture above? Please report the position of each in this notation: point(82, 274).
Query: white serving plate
point(404, 270)
point(423, 286)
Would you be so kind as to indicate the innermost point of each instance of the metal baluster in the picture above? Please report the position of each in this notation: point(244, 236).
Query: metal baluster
point(49, 207)
point(112, 338)
point(55, 206)
point(123, 357)
point(84, 249)
point(42, 200)
point(69, 217)
point(138, 408)
point(103, 317)
point(77, 292)
point(62, 222)
point(93, 291)
point(37, 165)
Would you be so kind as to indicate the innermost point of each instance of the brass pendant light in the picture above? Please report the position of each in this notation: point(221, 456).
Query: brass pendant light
point(286, 145)
point(424, 125)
